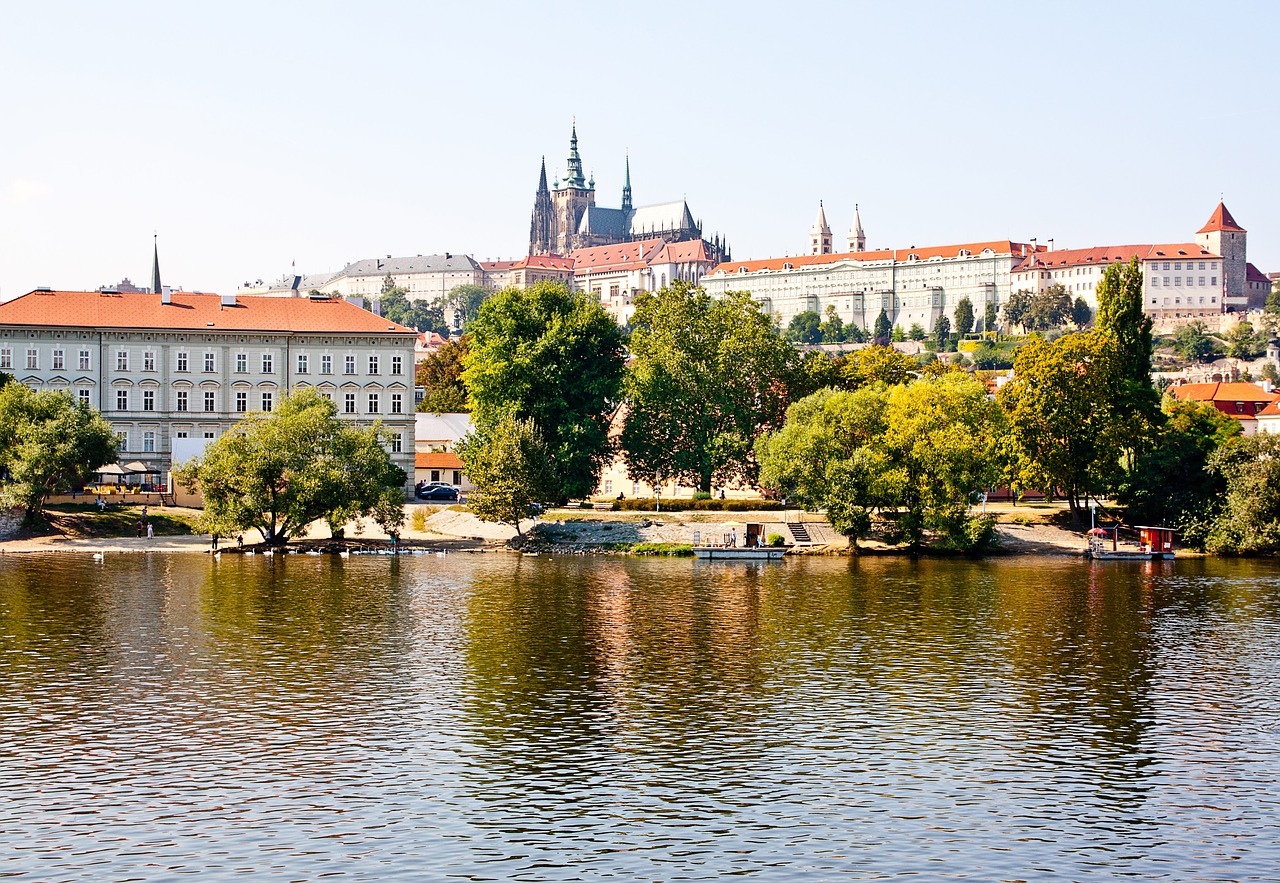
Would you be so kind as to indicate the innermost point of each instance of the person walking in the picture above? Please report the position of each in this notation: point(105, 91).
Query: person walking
point(214, 547)
point(137, 527)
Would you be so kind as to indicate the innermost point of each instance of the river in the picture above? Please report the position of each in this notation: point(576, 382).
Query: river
point(494, 717)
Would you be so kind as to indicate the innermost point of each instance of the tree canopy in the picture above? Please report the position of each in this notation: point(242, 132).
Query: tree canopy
point(395, 306)
point(278, 472)
point(554, 357)
point(1193, 343)
point(1247, 520)
point(964, 316)
point(804, 327)
point(509, 463)
point(1120, 316)
point(440, 376)
point(707, 376)
point(466, 300)
point(876, 364)
point(49, 443)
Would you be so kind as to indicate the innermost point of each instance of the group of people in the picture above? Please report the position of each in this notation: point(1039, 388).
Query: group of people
point(144, 526)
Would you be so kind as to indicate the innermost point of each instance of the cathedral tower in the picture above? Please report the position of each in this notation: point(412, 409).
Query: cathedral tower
point(626, 189)
point(857, 240)
point(542, 227)
point(820, 235)
point(571, 197)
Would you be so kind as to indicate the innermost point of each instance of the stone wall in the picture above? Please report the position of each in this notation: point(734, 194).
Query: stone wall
point(10, 522)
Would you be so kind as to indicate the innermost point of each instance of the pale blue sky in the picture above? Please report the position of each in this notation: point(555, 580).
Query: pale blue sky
point(251, 135)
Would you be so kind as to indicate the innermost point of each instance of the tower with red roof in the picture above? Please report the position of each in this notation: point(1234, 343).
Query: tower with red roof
point(1223, 236)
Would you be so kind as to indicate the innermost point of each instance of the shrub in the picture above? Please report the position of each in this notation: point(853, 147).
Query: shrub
point(646, 504)
point(775, 539)
point(702, 495)
point(675, 550)
point(418, 520)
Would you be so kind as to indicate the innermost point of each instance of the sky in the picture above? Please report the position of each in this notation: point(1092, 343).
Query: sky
point(256, 137)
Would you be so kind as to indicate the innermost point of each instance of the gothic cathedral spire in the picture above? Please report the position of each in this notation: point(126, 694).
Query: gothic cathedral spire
point(156, 287)
point(857, 240)
point(542, 225)
point(626, 188)
point(820, 235)
point(574, 180)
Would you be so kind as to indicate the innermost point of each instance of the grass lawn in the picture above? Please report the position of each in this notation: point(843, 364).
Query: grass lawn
point(84, 520)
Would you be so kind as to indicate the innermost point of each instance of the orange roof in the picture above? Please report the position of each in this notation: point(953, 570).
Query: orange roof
point(682, 252)
point(1107, 254)
point(492, 266)
point(192, 312)
point(1253, 274)
point(436, 460)
point(546, 262)
point(1271, 410)
point(624, 255)
point(1221, 220)
point(999, 246)
point(1221, 392)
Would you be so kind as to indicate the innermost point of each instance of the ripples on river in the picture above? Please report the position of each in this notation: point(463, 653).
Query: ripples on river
point(492, 717)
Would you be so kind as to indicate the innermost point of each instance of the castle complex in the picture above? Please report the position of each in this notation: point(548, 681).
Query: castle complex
point(566, 217)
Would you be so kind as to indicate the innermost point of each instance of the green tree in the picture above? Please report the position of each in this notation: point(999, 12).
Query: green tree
point(916, 332)
point(1171, 482)
point(880, 331)
point(989, 318)
point(805, 327)
point(395, 306)
point(707, 377)
point(509, 463)
point(832, 327)
point(897, 335)
point(466, 301)
point(49, 443)
point(1049, 309)
point(555, 357)
point(440, 376)
point(1273, 299)
point(1017, 310)
point(278, 472)
point(1247, 521)
point(1121, 317)
point(1081, 314)
point(814, 371)
point(1066, 429)
point(876, 364)
point(1193, 343)
point(1242, 342)
point(942, 334)
point(964, 316)
point(986, 356)
point(854, 334)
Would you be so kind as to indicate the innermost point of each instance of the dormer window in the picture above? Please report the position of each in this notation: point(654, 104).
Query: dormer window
point(788, 267)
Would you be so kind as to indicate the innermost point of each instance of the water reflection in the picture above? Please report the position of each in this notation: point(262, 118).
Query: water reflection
point(571, 718)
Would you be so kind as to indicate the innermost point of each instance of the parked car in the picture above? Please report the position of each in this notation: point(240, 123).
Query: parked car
point(436, 490)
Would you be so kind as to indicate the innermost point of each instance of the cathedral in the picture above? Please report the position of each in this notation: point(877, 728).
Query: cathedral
point(566, 217)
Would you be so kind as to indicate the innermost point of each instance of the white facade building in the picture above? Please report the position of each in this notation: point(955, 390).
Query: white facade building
point(424, 277)
point(168, 368)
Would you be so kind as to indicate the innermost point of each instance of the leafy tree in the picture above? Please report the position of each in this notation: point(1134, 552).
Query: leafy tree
point(897, 335)
point(49, 443)
point(916, 332)
point(466, 301)
point(555, 357)
point(1066, 429)
point(1270, 373)
point(854, 334)
point(509, 463)
point(1081, 314)
point(1242, 343)
point(815, 370)
point(440, 376)
point(880, 331)
point(707, 377)
point(876, 364)
point(1171, 482)
point(832, 327)
point(964, 316)
point(989, 318)
point(1017, 310)
point(1050, 309)
point(805, 327)
point(942, 334)
point(278, 472)
point(1120, 316)
point(1248, 519)
point(1193, 343)
point(396, 307)
point(1273, 299)
point(986, 356)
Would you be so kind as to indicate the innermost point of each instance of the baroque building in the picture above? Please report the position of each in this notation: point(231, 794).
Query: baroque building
point(566, 217)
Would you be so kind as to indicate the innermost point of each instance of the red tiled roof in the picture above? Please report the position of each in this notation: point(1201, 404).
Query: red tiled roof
point(1271, 410)
point(1221, 392)
point(491, 266)
point(999, 246)
point(682, 253)
point(546, 262)
point(95, 309)
point(437, 460)
point(1221, 220)
point(1109, 254)
point(1253, 274)
point(624, 255)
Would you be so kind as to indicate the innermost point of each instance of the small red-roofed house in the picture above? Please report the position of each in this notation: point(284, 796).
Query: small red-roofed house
point(1269, 418)
point(1243, 401)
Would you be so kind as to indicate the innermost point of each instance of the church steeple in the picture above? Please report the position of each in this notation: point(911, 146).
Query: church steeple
point(542, 179)
point(156, 287)
point(857, 239)
point(574, 180)
point(626, 188)
point(820, 235)
point(542, 224)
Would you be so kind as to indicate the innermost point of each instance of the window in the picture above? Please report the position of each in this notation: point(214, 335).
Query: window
point(181, 433)
point(268, 364)
point(1177, 280)
point(182, 400)
point(267, 401)
point(123, 438)
point(435, 474)
point(608, 487)
point(350, 366)
point(208, 433)
point(122, 360)
point(122, 399)
point(33, 359)
point(208, 363)
point(58, 359)
point(1166, 281)
point(397, 365)
point(1177, 265)
point(209, 404)
point(1202, 280)
point(242, 402)
point(1155, 281)
point(302, 363)
point(1166, 265)
point(84, 360)
point(149, 442)
point(397, 403)
point(242, 363)
point(373, 364)
point(1213, 280)
point(6, 358)
point(373, 403)
point(457, 476)
point(349, 403)
point(326, 364)
point(148, 361)
point(182, 363)
point(148, 400)
point(397, 443)
point(83, 395)
point(1202, 265)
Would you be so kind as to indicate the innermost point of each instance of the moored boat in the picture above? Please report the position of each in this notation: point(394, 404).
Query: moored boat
point(1153, 544)
point(753, 550)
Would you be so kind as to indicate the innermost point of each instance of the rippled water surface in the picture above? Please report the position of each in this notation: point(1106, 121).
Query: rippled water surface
point(492, 717)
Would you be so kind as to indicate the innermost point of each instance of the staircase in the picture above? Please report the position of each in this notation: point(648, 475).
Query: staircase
point(799, 533)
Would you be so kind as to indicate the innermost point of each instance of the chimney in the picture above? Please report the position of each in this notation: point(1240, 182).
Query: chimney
point(166, 294)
